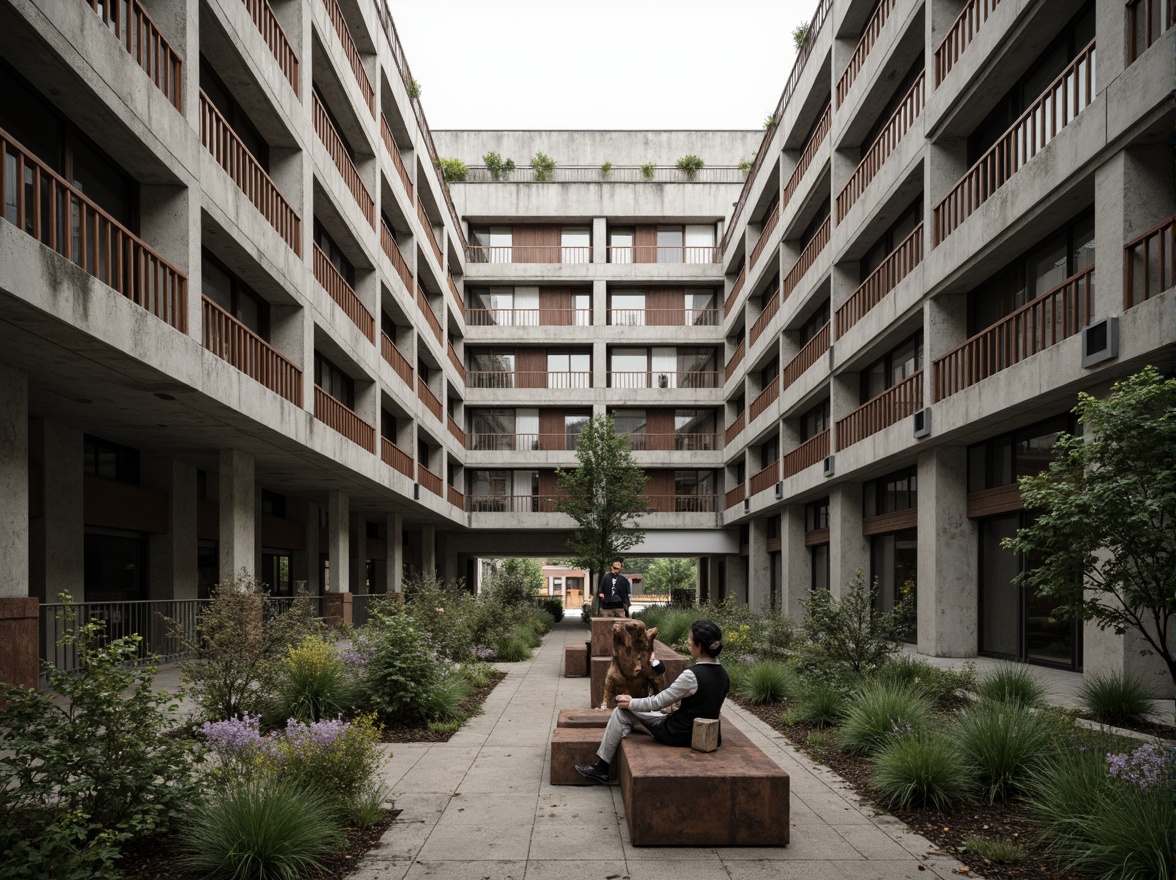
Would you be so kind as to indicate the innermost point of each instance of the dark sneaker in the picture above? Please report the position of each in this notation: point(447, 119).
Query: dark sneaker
point(591, 771)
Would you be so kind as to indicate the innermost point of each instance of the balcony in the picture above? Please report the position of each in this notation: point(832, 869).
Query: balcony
point(1034, 327)
point(342, 293)
point(885, 144)
point(963, 31)
point(491, 442)
point(764, 399)
point(335, 415)
point(806, 158)
point(889, 407)
point(513, 503)
point(538, 253)
point(657, 379)
point(666, 442)
point(545, 317)
point(429, 399)
point(455, 360)
point(38, 201)
point(1147, 263)
point(395, 457)
point(456, 294)
point(334, 144)
point(645, 254)
point(139, 35)
point(805, 261)
point(1061, 102)
point(812, 352)
point(733, 497)
point(735, 288)
point(388, 244)
point(663, 317)
point(765, 233)
point(1146, 22)
point(771, 306)
point(735, 428)
point(428, 479)
point(528, 379)
point(805, 456)
point(397, 162)
point(735, 361)
point(398, 361)
point(427, 225)
point(455, 497)
point(764, 479)
point(455, 430)
point(352, 52)
point(230, 153)
point(897, 265)
point(679, 503)
point(862, 50)
point(279, 44)
point(430, 318)
point(228, 338)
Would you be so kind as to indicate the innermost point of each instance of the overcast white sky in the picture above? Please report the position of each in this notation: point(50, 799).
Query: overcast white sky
point(607, 64)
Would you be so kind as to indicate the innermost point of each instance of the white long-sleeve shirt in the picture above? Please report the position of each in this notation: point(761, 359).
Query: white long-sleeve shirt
point(683, 686)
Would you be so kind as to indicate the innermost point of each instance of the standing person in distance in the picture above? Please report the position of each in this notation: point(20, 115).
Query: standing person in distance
point(613, 592)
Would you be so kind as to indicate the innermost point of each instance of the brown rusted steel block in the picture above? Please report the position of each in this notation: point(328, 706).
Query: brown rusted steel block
point(571, 746)
point(583, 718)
point(575, 661)
point(602, 640)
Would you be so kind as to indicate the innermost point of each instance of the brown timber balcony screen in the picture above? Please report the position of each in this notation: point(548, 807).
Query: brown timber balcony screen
point(335, 415)
point(40, 202)
point(395, 457)
point(807, 356)
point(228, 338)
point(394, 152)
point(896, 266)
point(963, 31)
point(139, 35)
point(889, 407)
point(805, 456)
point(428, 479)
point(343, 295)
point(347, 170)
point(1147, 263)
point(388, 244)
point(862, 50)
point(1146, 21)
point(352, 53)
point(764, 399)
point(429, 399)
point(398, 361)
point(271, 31)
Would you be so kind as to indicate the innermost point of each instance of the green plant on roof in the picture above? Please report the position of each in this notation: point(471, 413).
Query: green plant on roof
point(544, 166)
point(800, 36)
point(498, 167)
point(745, 166)
point(771, 121)
point(689, 165)
point(453, 170)
point(606, 170)
point(414, 88)
point(648, 169)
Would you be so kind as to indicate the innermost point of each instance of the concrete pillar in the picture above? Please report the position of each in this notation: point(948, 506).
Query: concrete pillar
point(947, 160)
point(173, 572)
point(795, 565)
point(448, 561)
point(1110, 23)
point(849, 550)
point(599, 347)
point(395, 560)
point(57, 538)
point(338, 542)
point(599, 240)
point(428, 550)
point(238, 523)
point(737, 579)
point(1103, 651)
point(948, 591)
point(758, 575)
point(19, 640)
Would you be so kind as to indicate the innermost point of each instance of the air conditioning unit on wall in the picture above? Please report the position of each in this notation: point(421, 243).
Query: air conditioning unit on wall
point(921, 422)
point(829, 468)
point(1100, 341)
point(779, 490)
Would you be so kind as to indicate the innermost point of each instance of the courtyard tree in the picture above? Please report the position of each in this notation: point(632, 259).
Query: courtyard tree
point(516, 581)
point(603, 495)
point(1106, 531)
point(668, 575)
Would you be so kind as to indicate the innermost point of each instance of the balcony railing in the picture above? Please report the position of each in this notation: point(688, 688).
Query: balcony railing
point(139, 35)
point(1146, 21)
point(889, 407)
point(771, 306)
point(806, 157)
point(1061, 102)
point(538, 253)
point(885, 144)
point(692, 254)
point(615, 174)
point(674, 442)
point(37, 200)
point(512, 503)
point(388, 243)
point(735, 289)
point(455, 430)
point(334, 144)
point(279, 44)
point(335, 415)
point(764, 479)
point(900, 262)
point(812, 352)
point(428, 479)
point(679, 503)
point(527, 379)
point(963, 31)
point(663, 317)
point(231, 154)
point(455, 360)
point(429, 399)
point(805, 261)
point(394, 152)
point(862, 50)
point(545, 317)
point(1034, 327)
point(352, 53)
point(493, 442)
point(764, 399)
point(1147, 263)
point(735, 428)
point(455, 497)
point(427, 225)
point(805, 455)
point(660, 379)
point(430, 318)
point(395, 457)
point(228, 338)
point(398, 361)
point(342, 293)
point(765, 233)
point(734, 496)
point(736, 359)
point(456, 294)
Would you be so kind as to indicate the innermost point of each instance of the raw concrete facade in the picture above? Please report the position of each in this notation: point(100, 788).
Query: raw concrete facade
point(770, 335)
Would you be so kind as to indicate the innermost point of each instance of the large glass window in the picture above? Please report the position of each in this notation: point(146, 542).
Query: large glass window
point(620, 245)
point(694, 491)
point(115, 569)
point(568, 369)
point(575, 244)
point(694, 429)
point(1000, 461)
point(111, 461)
point(700, 243)
point(631, 423)
point(898, 364)
point(669, 244)
point(628, 308)
point(891, 493)
point(815, 421)
point(234, 296)
point(894, 560)
point(334, 381)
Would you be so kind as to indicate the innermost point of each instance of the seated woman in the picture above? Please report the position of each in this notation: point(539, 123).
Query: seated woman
point(701, 690)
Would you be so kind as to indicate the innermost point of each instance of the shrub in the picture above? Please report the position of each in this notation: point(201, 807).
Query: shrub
point(261, 829)
point(850, 634)
point(498, 167)
point(820, 702)
point(1002, 742)
point(314, 684)
point(446, 698)
point(944, 687)
point(413, 88)
point(606, 170)
point(877, 711)
point(1011, 683)
point(800, 35)
point(477, 673)
point(340, 759)
point(1001, 850)
point(674, 625)
point(648, 170)
point(541, 621)
point(921, 769)
point(777, 636)
point(690, 166)
point(745, 165)
point(398, 682)
point(445, 614)
point(511, 649)
point(554, 606)
point(1116, 697)
point(514, 582)
point(453, 170)
point(544, 166)
point(768, 681)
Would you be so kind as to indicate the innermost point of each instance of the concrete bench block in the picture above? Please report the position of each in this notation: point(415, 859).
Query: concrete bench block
point(575, 661)
point(571, 746)
point(583, 717)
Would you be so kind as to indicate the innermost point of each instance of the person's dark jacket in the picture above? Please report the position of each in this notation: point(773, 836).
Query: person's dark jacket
point(614, 596)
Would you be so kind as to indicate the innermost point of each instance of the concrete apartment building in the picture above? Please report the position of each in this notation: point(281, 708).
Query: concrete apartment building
point(244, 324)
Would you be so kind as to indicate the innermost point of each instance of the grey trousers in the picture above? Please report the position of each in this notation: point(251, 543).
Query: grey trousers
point(619, 726)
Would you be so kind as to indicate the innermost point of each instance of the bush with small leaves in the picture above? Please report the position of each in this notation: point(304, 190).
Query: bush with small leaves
point(498, 167)
point(314, 683)
point(877, 711)
point(690, 166)
point(453, 170)
point(1121, 698)
point(648, 170)
point(606, 170)
point(1012, 683)
point(849, 635)
point(544, 167)
point(921, 769)
point(768, 681)
point(1002, 743)
point(554, 606)
point(398, 682)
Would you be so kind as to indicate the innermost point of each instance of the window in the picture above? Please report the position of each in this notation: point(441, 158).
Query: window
point(892, 493)
point(111, 461)
point(815, 421)
point(503, 491)
point(631, 422)
point(334, 381)
point(234, 296)
point(669, 244)
point(629, 368)
point(574, 425)
point(1001, 461)
point(700, 309)
point(575, 244)
point(334, 256)
point(620, 245)
point(566, 369)
point(700, 243)
point(691, 243)
point(222, 99)
point(816, 515)
point(694, 491)
point(491, 369)
point(898, 364)
point(388, 425)
point(273, 504)
point(911, 217)
point(694, 429)
point(628, 308)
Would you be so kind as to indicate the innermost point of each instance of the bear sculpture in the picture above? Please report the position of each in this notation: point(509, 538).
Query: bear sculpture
point(631, 671)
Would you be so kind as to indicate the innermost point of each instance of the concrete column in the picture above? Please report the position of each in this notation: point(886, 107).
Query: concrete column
point(843, 283)
point(795, 567)
point(57, 539)
point(173, 555)
point(599, 240)
point(844, 398)
point(947, 160)
point(428, 550)
point(303, 512)
point(599, 347)
point(338, 542)
point(849, 550)
point(1110, 23)
point(758, 575)
point(395, 560)
point(737, 579)
point(19, 615)
point(238, 524)
point(1103, 651)
point(948, 591)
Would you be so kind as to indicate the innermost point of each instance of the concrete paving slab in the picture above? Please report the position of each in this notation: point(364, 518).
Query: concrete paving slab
point(466, 870)
point(774, 869)
point(557, 839)
point(474, 808)
point(593, 869)
point(370, 869)
point(470, 843)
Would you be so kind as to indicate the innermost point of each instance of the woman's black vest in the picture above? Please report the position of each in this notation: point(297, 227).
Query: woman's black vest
point(713, 684)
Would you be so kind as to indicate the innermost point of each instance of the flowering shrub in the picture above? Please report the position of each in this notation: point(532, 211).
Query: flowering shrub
point(399, 681)
point(314, 682)
point(1149, 766)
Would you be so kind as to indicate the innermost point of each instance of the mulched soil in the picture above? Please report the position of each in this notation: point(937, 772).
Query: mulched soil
point(1164, 731)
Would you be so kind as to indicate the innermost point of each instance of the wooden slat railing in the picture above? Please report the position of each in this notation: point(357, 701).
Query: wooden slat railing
point(456, 295)
point(1063, 100)
point(539, 253)
point(805, 455)
point(889, 407)
point(430, 318)
point(886, 142)
point(228, 338)
point(764, 479)
point(528, 317)
point(806, 157)
point(230, 153)
point(347, 170)
point(644, 254)
point(395, 457)
point(771, 306)
point(428, 479)
point(37, 200)
point(455, 497)
point(679, 504)
point(455, 360)
point(279, 44)
point(335, 13)
point(1147, 20)
point(862, 50)
point(513, 503)
point(765, 233)
point(528, 379)
point(812, 352)
point(394, 152)
point(1147, 263)
point(733, 497)
point(764, 399)
point(674, 442)
point(960, 36)
point(663, 379)
point(143, 40)
point(427, 225)
point(1036, 326)
point(335, 415)
point(735, 289)
point(806, 259)
point(736, 359)
point(388, 243)
point(735, 428)
point(342, 293)
point(455, 429)
point(398, 361)
point(897, 265)
point(429, 399)
point(663, 317)
point(492, 442)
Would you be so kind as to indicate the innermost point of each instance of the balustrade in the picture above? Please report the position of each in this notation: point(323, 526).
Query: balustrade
point(804, 456)
point(886, 409)
point(1147, 263)
point(339, 155)
point(765, 398)
point(428, 479)
point(340, 418)
point(960, 36)
point(398, 361)
point(812, 351)
point(395, 457)
point(897, 265)
point(275, 37)
point(228, 338)
point(335, 13)
point(806, 259)
point(342, 293)
point(143, 41)
point(429, 399)
point(862, 50)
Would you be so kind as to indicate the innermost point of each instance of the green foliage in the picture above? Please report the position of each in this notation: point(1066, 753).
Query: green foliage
point(343, 767)
point(453, 170)
point(920, 769)
point(261, 829)
point(528, 636)
point(84, 765)
point(542, 621)
point(498, 167)
point(666, 575)
point(413, 88)
point(999, 850)
point(515, 582)
point(1002, 742)
point(1121, 698)
point(770, 123)
point(477, 673)
point(398, 682)
point(879, 710)
point(603, 494)
point(745, 165)
point(446, 698)
point(777, 636)
point(553, 606)
point(946, 688)
point(768, 681)
point(606, 170)
point(800, 35)
point(1011, 683)
point(1105, 538)
point(820, 702)
point(511, 649)
point(314, 683)
point(648, 170)
point(544, 167)
point(852, 635)
point(690, 165)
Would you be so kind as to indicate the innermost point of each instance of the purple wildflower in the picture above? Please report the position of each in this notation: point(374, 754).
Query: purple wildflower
point(745, 658)
point(1148, 766)
point(481, 652)
point(234, 737)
